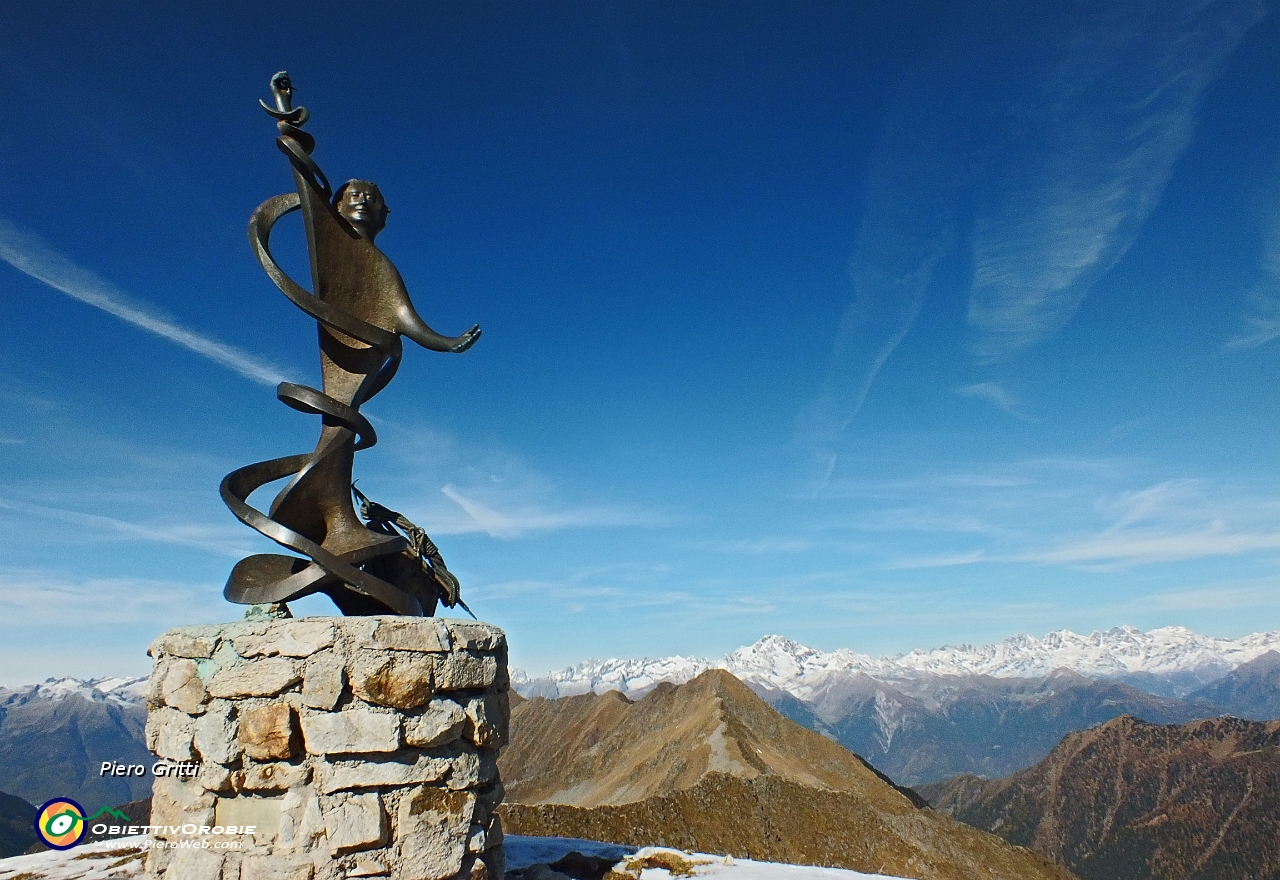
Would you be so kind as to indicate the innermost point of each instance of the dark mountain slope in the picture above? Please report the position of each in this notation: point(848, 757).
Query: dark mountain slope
point(17, 825)
point(1134, 800)
point(1251, 690)
point(55, 748)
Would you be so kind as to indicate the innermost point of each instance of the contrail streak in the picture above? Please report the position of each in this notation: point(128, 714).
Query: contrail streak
point(32, 255)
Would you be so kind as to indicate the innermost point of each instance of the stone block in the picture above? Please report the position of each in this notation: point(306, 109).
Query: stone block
point(169, 734)
point(182, 688)
point(155, 684)
point(177, 803)
point(496, 862)
point(261, 678)
point(422, 634)
point(268, 733)
point(363, 866)
point(323, 681)
point(487, 866)
point(271, 777)
point(264, 813)
point(393, 770)
point(299, 638)
point(302, 825)
point(441, 723)
point(465, 670)
point(487, 720)
point(156, 860)
point(214, 777)
point(398, 679)
point(275, 868)
point(196, 864)
point(184, 644)
point(354, 822)
point(489, 796)
point(494, 832)
point(432, 825)
point(215, 737)
point(476, 636)
point(352, 731)
point(471, 770)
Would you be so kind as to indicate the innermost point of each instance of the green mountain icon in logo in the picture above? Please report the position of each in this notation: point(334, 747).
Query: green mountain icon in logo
point(107, 811)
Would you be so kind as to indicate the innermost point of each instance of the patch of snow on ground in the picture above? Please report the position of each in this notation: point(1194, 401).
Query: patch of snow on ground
point(525, 851)
point(113, 859)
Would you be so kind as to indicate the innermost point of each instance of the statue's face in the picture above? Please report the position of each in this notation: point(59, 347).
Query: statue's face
point(363, 206)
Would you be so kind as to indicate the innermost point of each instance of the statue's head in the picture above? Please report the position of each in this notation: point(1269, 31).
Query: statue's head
point(361, 204)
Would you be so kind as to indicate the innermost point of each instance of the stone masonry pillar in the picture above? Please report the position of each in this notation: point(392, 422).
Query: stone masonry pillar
point(328, 747)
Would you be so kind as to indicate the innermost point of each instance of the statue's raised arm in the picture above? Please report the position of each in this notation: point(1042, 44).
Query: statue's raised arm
point(362, 309)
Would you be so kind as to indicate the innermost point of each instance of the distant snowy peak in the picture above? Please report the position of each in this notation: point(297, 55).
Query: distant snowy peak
point(1121, 651)
point(115, 689)
point(628, 676)
point(780, 663)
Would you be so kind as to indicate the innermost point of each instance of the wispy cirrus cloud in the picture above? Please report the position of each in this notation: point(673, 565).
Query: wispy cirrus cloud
point(36, 597)
point(1053, 143)
point(944, 561)
point(1218, 597)
point(33, 256)
point(55, 623)
point(908, 225)
point(1067, 513)
point(222, 540)
point(481, 517)
point(765, 546)
point(1153, 545)
point(1262, 319)
point(1170, 521)
point(1087, 151)
point(452, 487)
point(997, 395)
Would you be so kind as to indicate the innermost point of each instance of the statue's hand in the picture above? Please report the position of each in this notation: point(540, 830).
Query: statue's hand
point(466, 340)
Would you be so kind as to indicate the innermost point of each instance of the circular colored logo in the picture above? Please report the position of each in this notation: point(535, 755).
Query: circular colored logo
point(60, 823)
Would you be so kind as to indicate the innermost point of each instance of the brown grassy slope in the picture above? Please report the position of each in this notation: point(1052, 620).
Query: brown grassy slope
point(773, 819)
point(1129, 799)
point(606, 749)
point(708, 766)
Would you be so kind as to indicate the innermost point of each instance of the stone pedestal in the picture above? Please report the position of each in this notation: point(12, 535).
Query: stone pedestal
point(326, 748)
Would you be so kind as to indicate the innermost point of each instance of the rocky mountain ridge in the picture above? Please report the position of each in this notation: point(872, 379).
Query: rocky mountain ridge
point(709, 766)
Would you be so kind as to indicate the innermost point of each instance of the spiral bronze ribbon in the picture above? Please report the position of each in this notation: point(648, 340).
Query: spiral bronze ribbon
point(270, 578)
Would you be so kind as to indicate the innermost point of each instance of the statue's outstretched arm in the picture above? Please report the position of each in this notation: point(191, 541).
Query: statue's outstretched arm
point(408, 323)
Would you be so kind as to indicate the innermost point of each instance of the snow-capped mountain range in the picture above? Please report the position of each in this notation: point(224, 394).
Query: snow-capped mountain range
point(114, 689)
point(779, 663)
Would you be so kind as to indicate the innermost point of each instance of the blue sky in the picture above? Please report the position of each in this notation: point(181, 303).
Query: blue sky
point(878, 326)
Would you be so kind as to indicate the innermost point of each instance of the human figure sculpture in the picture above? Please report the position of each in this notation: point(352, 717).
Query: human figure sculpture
point(362, 309)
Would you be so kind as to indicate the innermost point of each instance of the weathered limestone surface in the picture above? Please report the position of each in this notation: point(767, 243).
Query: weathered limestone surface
point(353, 746)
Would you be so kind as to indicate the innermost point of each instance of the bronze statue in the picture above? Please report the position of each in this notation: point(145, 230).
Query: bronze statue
point(360, 304)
